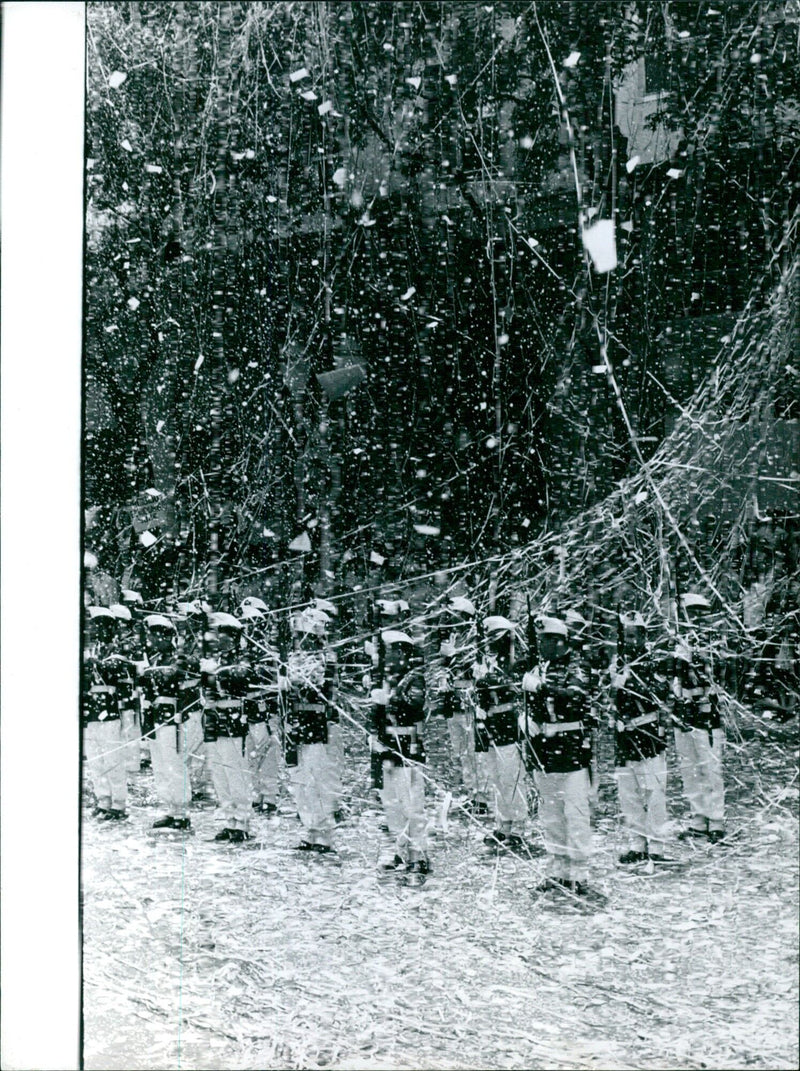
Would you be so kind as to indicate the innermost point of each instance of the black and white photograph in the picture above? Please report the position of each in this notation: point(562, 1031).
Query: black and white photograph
point(436, 635)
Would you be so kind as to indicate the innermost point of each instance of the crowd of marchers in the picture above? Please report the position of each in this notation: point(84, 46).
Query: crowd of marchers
point(231, 707)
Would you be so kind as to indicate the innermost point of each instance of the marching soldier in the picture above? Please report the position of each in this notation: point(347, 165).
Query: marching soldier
point(262, 708)
point(161, 689)
point(699, 736)
point(104, 747)
point(309, 684)
point(397, 716)
point(497, 734)
point(641, 691)
point(557, 725)
point(226, 681)
point(452, 688)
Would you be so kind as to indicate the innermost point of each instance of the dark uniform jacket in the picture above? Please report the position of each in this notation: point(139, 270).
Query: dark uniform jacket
point(557, 719)
point(225, 684)
point(695, 703)
point(396, 717)
point(641, 695)
point(496, 709)
point(161, 688)
point(312, 687)
point(104, 679)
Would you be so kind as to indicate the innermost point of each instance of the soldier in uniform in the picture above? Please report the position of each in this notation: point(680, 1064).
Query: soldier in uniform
point(309, 689)
point(262, 708)
point(397, 714)
point(226, 681)
point(452, 687)
point(497, 734)
point(128, 690)
point(104, 746)
point(699, 736)
point(557, 723)
point(640, 695)
point(161, 689)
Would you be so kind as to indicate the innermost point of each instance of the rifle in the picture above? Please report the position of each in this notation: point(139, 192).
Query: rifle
point(376, 757)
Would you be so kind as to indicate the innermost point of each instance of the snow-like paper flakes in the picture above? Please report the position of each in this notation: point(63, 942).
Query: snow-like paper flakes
point(409, 293)
point(325, 107)
point(340, 176)
point(296, 76)
point(116, 78)
point(126, 145)
point(199, 362)
point(415, 82)
point(572, 59)
point(631, 164)
point(674, 173)
point(133, 304)
point(147, 539)
point(375, 558)
point(154, 169)
point(427, 529)
point(601, 245)
point(309, 94)
point(451, 79)
point(301, 543)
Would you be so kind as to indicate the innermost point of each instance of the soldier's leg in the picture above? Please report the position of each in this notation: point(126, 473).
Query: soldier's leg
point(414, 806)
point(218, 767)
point(240, 785)
point(469, 766)
point(393, 806)
point(199, 772)
point(131, 734)
point(578, 828)
point(256, 747)
point(177, 790)
point(111, 760)
point(483, 777)
point(322, 798)
point(270, 765)
point(511, 800)
point(631, 805)
point(686, 749)
point(709, 755)
point(551, 818)
point(333, 768)
point(456, 729)
point(95, 765)
point(654, 782)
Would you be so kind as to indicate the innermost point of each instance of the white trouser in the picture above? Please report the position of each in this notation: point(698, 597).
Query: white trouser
point(642, 790)
point(132, 735)
point(170, 774)
point(701, 773)
point(196, 749)
point(263, 750)
point(462, 746)
point(482, 776)
point(105, 763)
point(232, 783)
point(335, 749)
point(403, 798)
point(309, 782)
point(506, 776)
point(564, 817)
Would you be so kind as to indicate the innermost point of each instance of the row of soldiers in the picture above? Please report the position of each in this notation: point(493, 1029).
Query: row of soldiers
point(223, 698)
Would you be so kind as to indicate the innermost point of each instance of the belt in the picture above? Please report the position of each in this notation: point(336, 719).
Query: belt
point(227, 704)
point(102, 689)
point(165, 701)
point(189, 684)
point(462, 684)
point(311, 707)
point(634, 723)
point(501, 708)
point(552, 728)
point(401, 730)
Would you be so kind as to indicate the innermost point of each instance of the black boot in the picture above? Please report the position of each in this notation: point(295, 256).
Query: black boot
point(115, 814)
point(224, 834)
point(398, 863)
point(495, 840)
point(181, 823)
point(167, 822)
point(237, 836)
point(632, 857)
